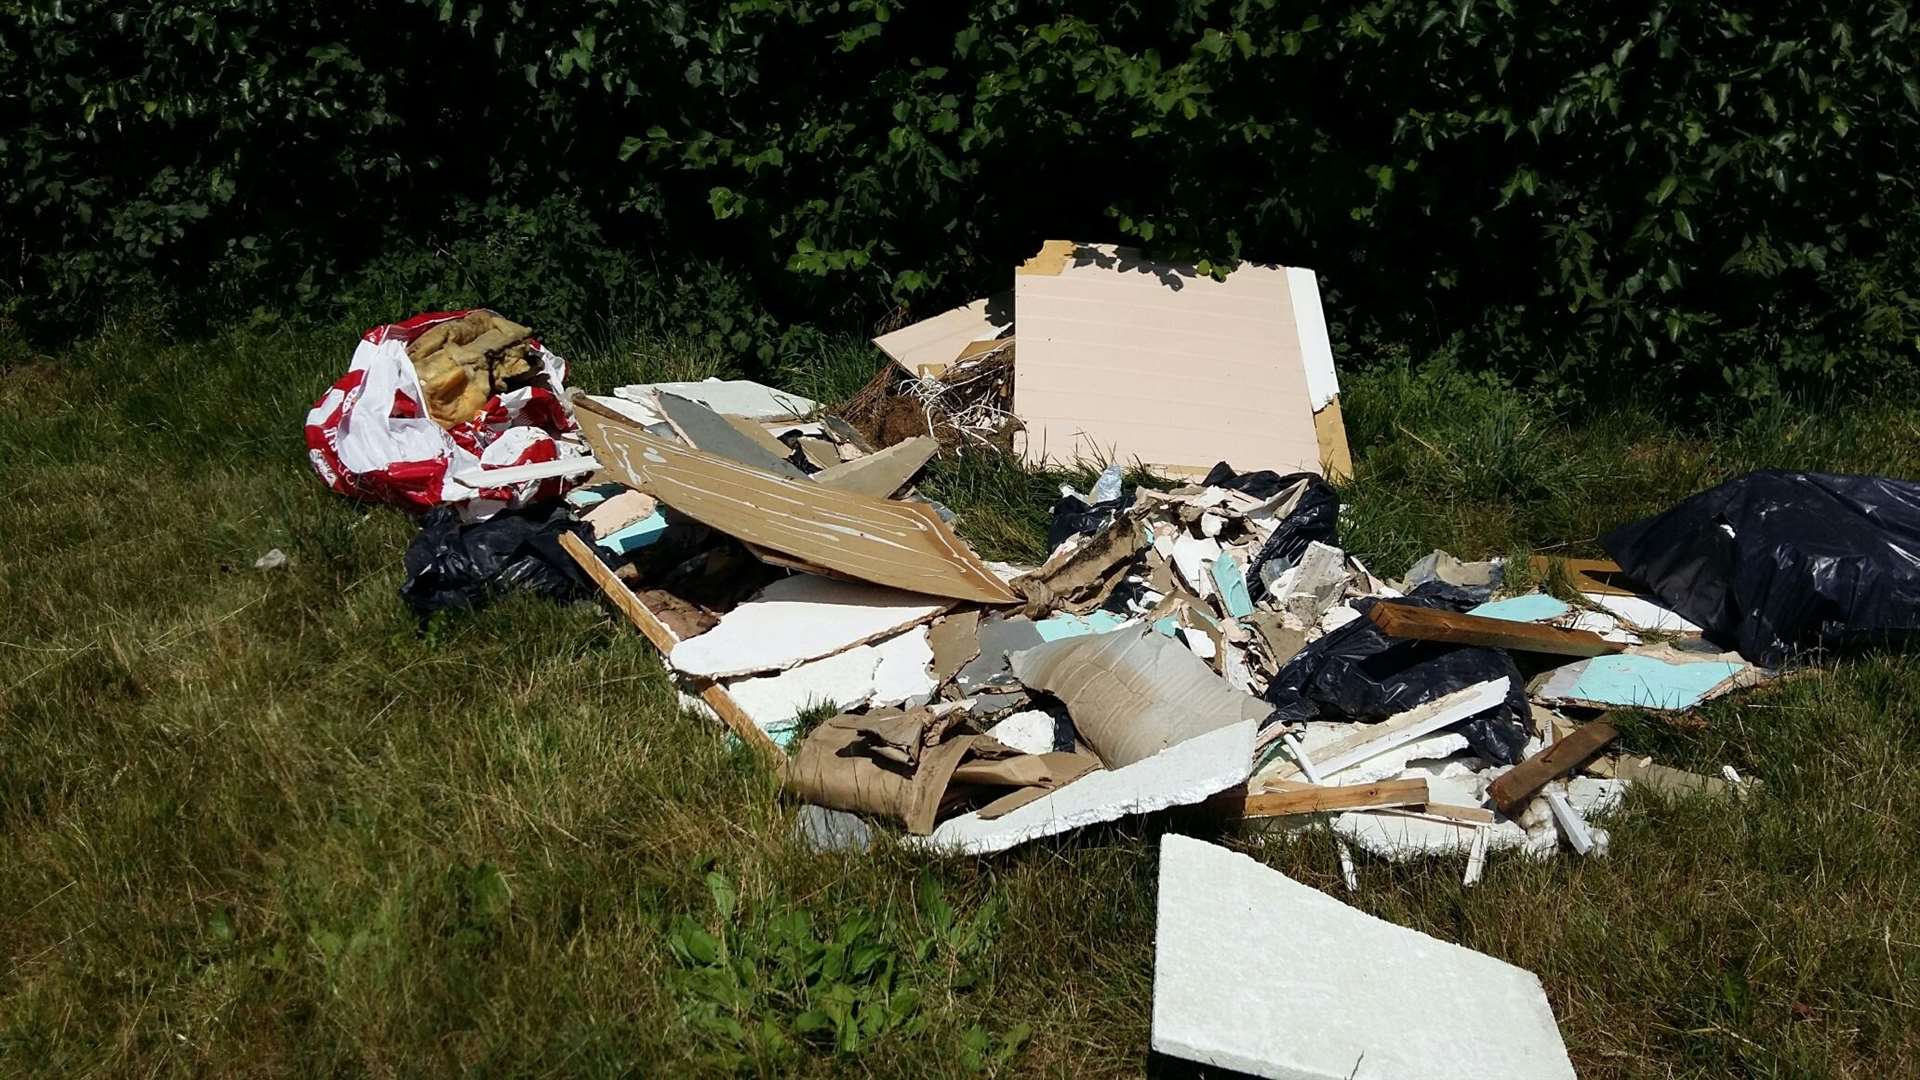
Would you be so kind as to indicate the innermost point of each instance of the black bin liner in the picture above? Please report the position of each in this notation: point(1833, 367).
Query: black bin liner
point(1358, 673)
point(455, 565)
point(1776, 561)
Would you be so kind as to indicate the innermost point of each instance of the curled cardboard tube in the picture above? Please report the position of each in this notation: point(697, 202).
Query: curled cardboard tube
point(662, 638)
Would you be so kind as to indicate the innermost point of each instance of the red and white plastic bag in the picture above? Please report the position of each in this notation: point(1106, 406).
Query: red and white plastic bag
point(370, 436)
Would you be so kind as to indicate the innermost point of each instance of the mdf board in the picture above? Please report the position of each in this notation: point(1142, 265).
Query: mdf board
point(931, 345)
point(901, 544)
point(1124, 360)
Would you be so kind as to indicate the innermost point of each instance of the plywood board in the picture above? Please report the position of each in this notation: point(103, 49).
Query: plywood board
point(707, 430)
point(1123, 359)
point(937, 342)
point(901, 544)
point(1434, 624)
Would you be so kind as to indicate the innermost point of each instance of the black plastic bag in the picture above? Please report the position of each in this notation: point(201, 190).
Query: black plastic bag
point(451, 565)
point(1356, 672)
point(1776, 561)
point(1316, 517)
point(1261, 483)
point(1072, 516)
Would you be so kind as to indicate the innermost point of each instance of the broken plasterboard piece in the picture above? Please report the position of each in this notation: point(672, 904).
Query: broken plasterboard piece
point(1637, 681)
point(796, 619)
point(882, 472)
point(1256, 972)
point(863, 675)
point(1231, 582)
point(900, 544)
point(1643, 614)
point(704, 429)
point(1533, 607)
point(929, 346)
point(731, 397)
point(1181, 775)
point(1191, 556)
point(1100, 328)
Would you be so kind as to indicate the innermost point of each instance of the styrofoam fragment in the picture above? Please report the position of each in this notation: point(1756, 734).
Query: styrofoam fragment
point(1030, 732)
point(1256, 972)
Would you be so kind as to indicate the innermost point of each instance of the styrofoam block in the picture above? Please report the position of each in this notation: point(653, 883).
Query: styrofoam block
point(1182, 774)
point(796, 619)
point(1256, 972)
point(1030, 732)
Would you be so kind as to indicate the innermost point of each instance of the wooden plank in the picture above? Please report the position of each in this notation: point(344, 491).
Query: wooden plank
point(1433, 624)
point(901, 544)
point(1468, 815)
point(1520, 783)
point(1315, 799)
point(664, 640)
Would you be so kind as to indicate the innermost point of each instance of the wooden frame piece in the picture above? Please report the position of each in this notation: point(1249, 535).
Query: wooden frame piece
point(1520, 783)
point(1315, 799)
point(664, 640)
point(1433, 624)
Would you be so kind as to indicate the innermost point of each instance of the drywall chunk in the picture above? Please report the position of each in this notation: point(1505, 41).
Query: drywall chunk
point(733, 397)
point(1317, 582)
point(796, 619)
point(903, 676)
point(1180, 775)
point(1638, 681)
point(843, 680)
point(1256, 972)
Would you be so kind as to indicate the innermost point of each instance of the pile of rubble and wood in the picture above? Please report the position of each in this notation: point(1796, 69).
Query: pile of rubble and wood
point(1200, 640)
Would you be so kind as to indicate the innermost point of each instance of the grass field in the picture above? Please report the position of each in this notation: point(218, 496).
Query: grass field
point(259, 823)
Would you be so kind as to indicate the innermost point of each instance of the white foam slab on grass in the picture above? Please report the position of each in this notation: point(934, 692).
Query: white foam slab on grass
point(800, 618)
point(1257, 972)
point(1182, 774)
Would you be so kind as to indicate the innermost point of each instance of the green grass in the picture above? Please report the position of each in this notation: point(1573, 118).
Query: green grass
point(256, 823)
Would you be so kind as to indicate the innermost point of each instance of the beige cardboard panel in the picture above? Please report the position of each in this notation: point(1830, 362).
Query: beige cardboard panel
point(938, 341)
point(1135, 361)
point(904, 545)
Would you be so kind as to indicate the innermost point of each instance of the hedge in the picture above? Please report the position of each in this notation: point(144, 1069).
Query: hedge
point(1577, 192)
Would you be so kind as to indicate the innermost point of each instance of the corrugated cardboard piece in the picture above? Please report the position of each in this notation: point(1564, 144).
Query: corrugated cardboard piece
point(1124, 359)
point(901, 544)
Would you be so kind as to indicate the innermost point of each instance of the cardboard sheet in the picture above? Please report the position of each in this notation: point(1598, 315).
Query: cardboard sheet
point(930, 345)
point(1133, 694)
point(901, 544)
point(1124, 359)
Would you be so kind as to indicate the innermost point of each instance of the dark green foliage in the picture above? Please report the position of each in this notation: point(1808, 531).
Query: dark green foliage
point(1692, 194)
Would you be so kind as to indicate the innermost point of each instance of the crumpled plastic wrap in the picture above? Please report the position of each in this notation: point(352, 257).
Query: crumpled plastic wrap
point(1776, 561)
point(454, 565)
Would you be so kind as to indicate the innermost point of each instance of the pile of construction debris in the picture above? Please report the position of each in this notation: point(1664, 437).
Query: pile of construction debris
point(1198, 639)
